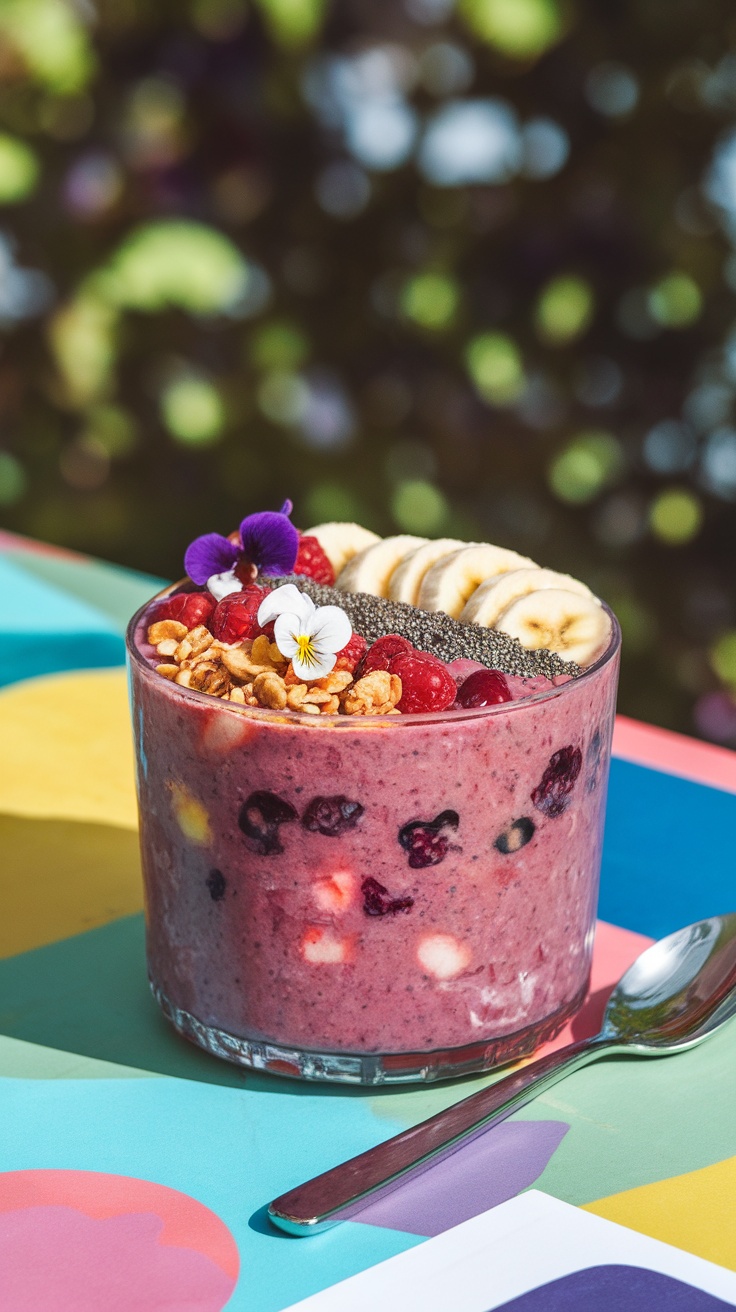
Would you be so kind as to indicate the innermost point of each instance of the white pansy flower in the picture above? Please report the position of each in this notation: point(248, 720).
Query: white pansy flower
point(309, 636)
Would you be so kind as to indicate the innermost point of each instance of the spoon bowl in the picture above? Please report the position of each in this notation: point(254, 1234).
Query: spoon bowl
point(672, 996)
point(678, 992)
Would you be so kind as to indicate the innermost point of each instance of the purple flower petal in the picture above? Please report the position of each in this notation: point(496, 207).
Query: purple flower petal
point(208, 555)
point(287, 507)
point(270, 541)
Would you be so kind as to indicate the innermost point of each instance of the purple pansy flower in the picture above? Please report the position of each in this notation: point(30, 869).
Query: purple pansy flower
point(268, 540)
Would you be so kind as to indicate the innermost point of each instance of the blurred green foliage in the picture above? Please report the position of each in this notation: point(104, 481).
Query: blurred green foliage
point(462, 268)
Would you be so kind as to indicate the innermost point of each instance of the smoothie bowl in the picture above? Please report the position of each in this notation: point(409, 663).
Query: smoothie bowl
point(394, 880)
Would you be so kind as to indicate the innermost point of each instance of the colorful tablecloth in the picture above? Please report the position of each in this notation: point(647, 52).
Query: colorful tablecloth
point(147, 1158)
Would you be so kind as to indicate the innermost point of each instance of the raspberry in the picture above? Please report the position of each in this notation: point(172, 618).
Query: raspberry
point(311, 560)
point(483, 688)
point(190, 608)
point(377, 900)
point(331, 816)
point(382, 651)
point(261, 816)
point(426, 683)
point(235, 616)
point(352, 654)
point(424, 840)
point(552, 795)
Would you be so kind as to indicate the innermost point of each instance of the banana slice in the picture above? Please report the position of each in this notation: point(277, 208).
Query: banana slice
point(493, 597)
point(575, 626)
point(448, 584)
point(340, 542)
point(371, 569)
point(406, 579)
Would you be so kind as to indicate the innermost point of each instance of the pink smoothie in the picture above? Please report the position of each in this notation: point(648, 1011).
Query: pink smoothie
point(387, 886)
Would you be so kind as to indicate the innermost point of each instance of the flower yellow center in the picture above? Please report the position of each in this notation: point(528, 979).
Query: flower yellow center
point(305, 649)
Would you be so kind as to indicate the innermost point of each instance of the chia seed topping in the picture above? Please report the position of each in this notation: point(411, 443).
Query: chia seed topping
point(433, 631)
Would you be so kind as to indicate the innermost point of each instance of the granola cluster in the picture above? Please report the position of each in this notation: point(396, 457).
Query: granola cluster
point(255, 673)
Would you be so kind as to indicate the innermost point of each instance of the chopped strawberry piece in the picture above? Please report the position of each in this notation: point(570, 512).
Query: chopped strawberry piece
point(426, 683)
point(236, 616)
point(190, 608)
point(352, 654)
point(312, 561)
point(382, 651)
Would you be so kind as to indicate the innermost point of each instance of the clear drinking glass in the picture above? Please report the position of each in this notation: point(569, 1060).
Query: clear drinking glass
point(371, 899)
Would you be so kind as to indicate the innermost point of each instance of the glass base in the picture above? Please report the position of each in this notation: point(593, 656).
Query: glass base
point(367, 1068)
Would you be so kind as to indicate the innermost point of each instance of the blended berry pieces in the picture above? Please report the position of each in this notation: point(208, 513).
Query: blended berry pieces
point(352, 654)
point(380, 655)
point(260, 819)
point(425, 841)
point(331, 816)
point(217, 884)
point(426, 683)
point(190, 608)
point(516, 836)
point(236, 616)
point(377, 901)
point(483, 688)
point(312, 561)
point(552, 794)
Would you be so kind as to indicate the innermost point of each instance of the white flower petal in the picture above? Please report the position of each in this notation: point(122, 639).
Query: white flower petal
point(221, 585)
point(316, 669)
point(286, 599)
point(284, 631)
point(330, 628)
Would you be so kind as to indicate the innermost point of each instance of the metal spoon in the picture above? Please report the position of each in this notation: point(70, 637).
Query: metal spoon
point(678, 991)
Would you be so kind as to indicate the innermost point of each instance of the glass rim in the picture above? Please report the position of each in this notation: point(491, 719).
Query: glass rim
point(266, 715)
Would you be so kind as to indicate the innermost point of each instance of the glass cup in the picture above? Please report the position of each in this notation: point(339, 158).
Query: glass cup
point(371, 899)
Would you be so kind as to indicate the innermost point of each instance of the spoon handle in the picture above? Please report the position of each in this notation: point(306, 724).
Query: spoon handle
point(342, 1192)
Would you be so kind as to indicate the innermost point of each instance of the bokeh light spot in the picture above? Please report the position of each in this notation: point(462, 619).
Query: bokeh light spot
point(545, 148)
point(723, 657)
point(342, 189)
point(675, 516)
point(612, 89)
point(18, 169)
point(292, 22)
point(469, 141)
point(328, 501)
point(669, 447)
point(176, 262)
point(430, 300)
point(52, 40)
point(13, 479)
point(419, 507)
point(495, 366)
point(82, 336)
point(192, 410)
point(591, 462)
point(279, 345)
point(520, 29)
point(564, 309)
point(719, 463)
point(676, 301)
point(283, 397)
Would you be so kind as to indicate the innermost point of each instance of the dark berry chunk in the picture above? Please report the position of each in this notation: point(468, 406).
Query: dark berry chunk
point(426, 684)
point(216, 883)
point(552, 795)
point(190, 608)
point(516, 836)
point(332, 816)
point(312, 560)
point(377, 901)
point(261, 816)
point(382, 651)
point(483, 688)
point(352, 654)
point(424, 840)
point(235, 617)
